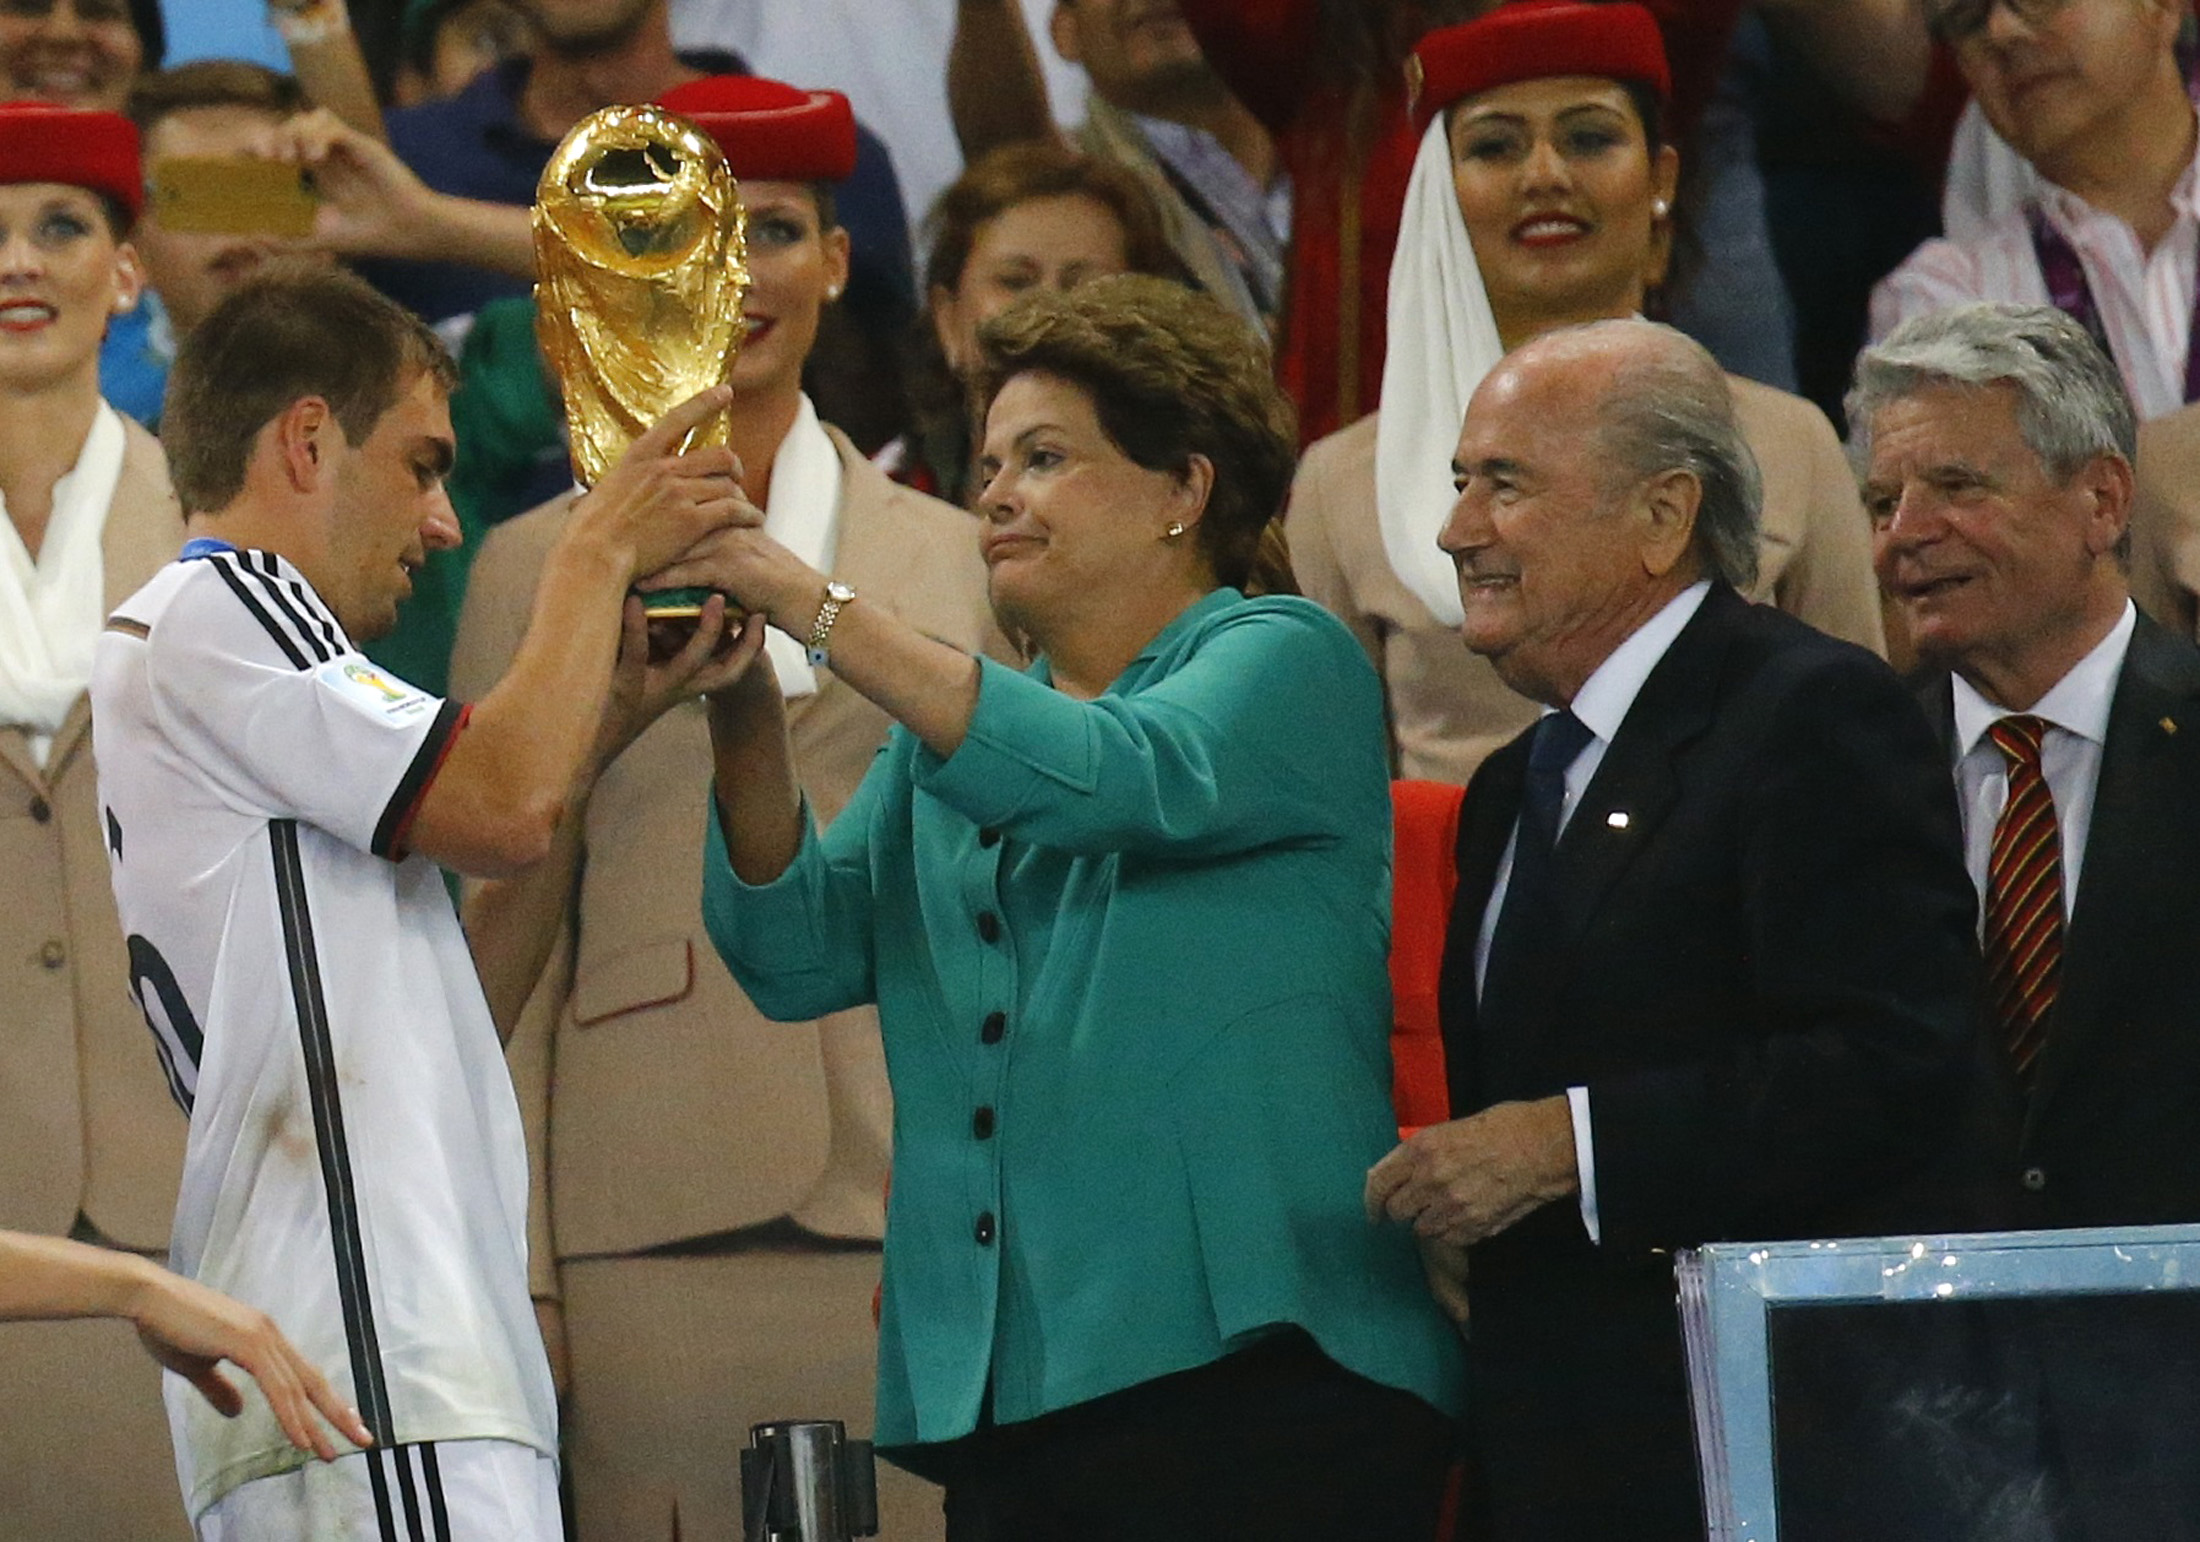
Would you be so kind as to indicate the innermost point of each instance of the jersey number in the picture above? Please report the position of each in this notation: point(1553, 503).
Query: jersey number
point(176, 1032)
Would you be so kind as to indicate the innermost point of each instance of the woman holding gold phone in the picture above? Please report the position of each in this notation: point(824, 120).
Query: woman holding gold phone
point(707, 1242)
point(90, 1141)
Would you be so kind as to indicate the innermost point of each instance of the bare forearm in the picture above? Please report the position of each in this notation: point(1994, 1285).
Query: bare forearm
point(928, 687)
point(753, 779)
point(53, 1277)
point(996, 92)
point(512, 923)
point(495, 236)
point(332, 73)
point(516, 763)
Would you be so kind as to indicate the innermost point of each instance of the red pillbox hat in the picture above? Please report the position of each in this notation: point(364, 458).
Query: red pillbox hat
point(40, 142)
point(771, 132)
point(1531, 40)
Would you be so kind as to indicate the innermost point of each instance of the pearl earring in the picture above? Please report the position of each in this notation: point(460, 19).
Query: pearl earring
point(1660, 208)
point(832, 291)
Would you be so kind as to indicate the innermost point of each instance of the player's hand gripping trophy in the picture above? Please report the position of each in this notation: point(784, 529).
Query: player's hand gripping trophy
point(641, 254)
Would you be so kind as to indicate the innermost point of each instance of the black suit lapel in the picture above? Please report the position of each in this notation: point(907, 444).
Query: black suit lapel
point(1635, 785)
point(2152, 718)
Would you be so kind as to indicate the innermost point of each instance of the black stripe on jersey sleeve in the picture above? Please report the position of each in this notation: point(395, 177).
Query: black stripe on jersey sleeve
point(274, 589)
point(221, 563)
point(389, 830)
point(309, 603)
point(311, 1005)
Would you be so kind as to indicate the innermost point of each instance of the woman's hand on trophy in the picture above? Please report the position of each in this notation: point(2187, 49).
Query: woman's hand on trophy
point(759, 574)
point(648, 680)
point(657, 500)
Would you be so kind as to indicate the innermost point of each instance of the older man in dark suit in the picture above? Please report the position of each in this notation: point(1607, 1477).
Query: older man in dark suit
point(1711, 965)
point(1999, 448)
point(1997, 443)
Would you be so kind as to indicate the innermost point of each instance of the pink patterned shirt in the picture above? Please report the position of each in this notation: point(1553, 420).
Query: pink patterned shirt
point(2145, 298)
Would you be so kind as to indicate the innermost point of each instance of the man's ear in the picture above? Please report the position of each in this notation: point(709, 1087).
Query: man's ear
point(2109, 482)
point(1666, 506)
point(305, 436)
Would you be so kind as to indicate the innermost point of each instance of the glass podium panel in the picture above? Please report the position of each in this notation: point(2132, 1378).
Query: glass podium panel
point(2003, 1387)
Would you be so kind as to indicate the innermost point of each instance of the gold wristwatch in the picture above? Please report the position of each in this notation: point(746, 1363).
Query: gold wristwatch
point(837, 596)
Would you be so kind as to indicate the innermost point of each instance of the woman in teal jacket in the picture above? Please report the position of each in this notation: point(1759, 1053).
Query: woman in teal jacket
point(1125, 917)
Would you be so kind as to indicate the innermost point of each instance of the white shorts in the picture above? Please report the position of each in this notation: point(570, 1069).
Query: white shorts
point(449, 1491)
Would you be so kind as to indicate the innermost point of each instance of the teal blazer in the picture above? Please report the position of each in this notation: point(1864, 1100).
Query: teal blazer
point(1129, 959)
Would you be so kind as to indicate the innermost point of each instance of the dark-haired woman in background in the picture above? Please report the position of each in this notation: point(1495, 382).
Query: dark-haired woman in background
point(1028, 216)
point(1125, 918)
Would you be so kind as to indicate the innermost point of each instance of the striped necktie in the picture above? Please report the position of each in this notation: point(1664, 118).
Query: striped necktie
point(2024, 897)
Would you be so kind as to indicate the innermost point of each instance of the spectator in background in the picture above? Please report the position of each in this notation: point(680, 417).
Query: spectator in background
point(738, 1289)
point(888, 59)
point(1027, 216)
point(1541, 198)
point(1159, 110)
point(447, 44)
point(213, 107)
point(91, 1143)
point(78, 53)
point(2091, 94)
point(491, 141)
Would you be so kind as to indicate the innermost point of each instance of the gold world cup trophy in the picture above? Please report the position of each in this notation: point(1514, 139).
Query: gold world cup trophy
point(641, 256)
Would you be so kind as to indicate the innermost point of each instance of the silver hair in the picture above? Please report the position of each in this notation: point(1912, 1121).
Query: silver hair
point(2071, 403)
point(1670, 409)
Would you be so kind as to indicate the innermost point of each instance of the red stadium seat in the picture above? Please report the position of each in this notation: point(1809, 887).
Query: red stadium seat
point(1425, 822)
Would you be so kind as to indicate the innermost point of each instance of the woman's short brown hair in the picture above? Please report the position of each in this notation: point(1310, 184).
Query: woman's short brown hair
point(1172, 374)
point(292, 331)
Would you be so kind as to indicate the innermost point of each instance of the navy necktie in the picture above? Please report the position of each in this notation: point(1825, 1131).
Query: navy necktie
point(1531, 911)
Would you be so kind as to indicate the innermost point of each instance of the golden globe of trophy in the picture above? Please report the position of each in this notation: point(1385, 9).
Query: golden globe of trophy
point(641, 261)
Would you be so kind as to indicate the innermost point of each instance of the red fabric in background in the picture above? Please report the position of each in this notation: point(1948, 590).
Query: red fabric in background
point(1424, 874)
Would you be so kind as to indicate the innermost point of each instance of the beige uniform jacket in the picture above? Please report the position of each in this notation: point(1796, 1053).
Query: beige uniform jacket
point(87, 1125)
point(2165, 522)
point(665, 1105)
point(1448, 709)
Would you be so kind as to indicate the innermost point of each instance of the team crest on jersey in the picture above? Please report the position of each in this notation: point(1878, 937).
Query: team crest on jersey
point(360, 685)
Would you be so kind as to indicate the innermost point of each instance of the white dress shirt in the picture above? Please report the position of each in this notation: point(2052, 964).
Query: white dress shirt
point(1601, 704)
point(2076, 713)
point(2145, 298)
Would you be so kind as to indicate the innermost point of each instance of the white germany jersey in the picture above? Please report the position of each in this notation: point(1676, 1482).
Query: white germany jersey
point(356, 1166)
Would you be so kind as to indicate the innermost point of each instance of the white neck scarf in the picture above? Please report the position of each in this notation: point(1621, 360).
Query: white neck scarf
point(51, 608)
point(802, 513)
point(1442, 341)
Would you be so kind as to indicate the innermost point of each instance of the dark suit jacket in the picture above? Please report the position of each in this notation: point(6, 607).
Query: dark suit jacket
point(2111, 1133)
point(1764, 976)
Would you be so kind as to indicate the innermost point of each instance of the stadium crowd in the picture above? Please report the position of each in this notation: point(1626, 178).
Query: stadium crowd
point(1095, 961)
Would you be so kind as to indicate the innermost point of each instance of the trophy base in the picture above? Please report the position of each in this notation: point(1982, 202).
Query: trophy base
point(672, 615)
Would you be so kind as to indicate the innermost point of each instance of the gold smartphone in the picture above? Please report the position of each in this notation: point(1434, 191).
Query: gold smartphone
point(230, 196)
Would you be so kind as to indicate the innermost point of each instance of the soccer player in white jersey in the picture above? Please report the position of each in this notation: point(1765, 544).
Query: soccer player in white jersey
point(275, 807)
